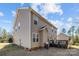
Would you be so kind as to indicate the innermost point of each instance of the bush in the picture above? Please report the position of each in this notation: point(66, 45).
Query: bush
point(76, 40)
point(77, 44)
point(10, 40)
point(1, 41)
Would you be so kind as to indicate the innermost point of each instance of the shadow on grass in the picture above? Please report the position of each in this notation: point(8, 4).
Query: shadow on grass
point(9, 48)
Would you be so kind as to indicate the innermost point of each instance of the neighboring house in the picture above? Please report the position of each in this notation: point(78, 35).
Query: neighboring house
point(31, 30)
point(63, 39)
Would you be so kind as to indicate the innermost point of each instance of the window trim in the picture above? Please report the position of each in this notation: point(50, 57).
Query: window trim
point(52, 30)
point(35, 22)
point(35, 18)
point(35, 37)
point(17, 27)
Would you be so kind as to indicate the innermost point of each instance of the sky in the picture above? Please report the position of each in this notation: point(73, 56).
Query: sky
point(62, 15)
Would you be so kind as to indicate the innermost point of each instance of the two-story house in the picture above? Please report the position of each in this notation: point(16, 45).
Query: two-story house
point(31, 30)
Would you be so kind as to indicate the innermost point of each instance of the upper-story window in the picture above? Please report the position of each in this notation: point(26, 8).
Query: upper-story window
point(35, 22)
point(52, 30)
point(17, 26)
point(33, 37)
point(35, 18)
point(55, 31)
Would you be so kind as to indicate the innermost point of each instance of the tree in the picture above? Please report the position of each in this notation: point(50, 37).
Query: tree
point(77, 31)
point(4, 35)
point(77, 35)
point(10, 38)
point(63, 30)
point(0, 33)
point(71, 33)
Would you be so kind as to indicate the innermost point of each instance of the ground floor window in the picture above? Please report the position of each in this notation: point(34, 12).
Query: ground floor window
point(35, 37)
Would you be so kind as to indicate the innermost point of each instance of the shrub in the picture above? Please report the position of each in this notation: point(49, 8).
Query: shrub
point(77, 44)
point(10, 40)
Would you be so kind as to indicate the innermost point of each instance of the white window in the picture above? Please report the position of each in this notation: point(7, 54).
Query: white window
point(52, 30)
point(17, 26)
point(35, 18)
point(35, 37)
point(55, 31)
point(35, 22)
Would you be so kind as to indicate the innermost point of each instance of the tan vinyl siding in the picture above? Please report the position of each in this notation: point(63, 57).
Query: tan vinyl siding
point(24, 34)
point(35, 29)
point(50, 33)
point(45, 34)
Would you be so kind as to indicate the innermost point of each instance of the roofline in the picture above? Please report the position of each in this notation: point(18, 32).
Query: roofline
point(64, 34)
point(30, 9)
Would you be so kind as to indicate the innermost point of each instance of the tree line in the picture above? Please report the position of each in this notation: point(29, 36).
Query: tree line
point(73, 34)
point(5, 36)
